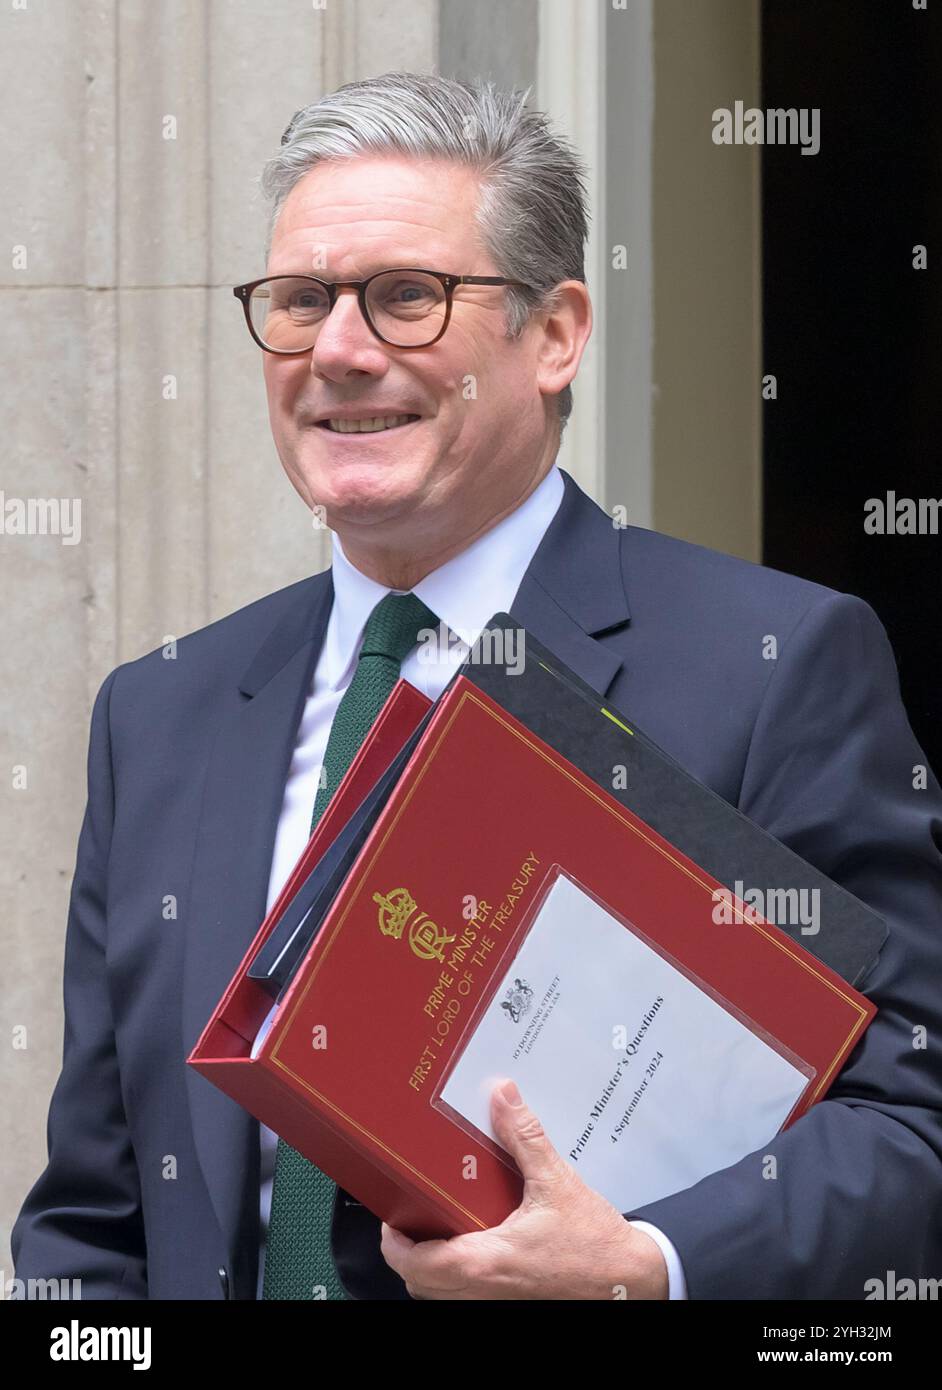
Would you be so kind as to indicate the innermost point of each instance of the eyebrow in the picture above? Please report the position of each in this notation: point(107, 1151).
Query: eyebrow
point(388, 264)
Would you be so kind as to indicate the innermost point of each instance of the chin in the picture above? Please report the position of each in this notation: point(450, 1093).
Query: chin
point(362, 493)
point(368, 489)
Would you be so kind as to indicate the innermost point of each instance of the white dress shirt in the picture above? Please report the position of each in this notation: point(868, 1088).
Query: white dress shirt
point(464, 593)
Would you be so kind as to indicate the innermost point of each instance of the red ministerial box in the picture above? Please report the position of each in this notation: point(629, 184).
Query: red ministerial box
point(245, 1004)
point(485, 814)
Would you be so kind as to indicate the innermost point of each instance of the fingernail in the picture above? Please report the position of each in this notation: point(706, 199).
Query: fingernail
point(510, 1093)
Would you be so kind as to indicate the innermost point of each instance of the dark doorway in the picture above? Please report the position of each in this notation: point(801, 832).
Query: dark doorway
point(852, 331)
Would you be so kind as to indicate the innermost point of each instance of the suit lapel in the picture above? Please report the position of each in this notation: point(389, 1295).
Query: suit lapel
point(242, 801)
point(572, 590)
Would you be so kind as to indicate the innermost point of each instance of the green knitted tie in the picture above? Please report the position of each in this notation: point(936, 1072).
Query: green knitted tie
point(298, 1259)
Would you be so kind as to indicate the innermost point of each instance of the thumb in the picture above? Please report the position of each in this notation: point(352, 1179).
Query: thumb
point(523, 1136)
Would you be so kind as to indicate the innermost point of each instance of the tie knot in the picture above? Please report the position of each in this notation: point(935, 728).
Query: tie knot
point(393, 627)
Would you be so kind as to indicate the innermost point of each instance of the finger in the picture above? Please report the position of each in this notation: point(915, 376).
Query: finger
point(438, 1268)
point(523, 1136)
point(395, 1234)
point(418, 1260)
point(395, 1248)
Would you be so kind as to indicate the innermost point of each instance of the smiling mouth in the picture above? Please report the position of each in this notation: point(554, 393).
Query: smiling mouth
point(375, 424)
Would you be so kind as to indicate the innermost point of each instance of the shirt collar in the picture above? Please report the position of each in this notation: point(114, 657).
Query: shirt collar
point(464, 592)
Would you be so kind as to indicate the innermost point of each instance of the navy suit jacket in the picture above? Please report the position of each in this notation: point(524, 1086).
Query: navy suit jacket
point(152, 1183)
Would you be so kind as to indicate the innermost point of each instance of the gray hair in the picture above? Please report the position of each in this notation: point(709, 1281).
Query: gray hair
point(531, 212)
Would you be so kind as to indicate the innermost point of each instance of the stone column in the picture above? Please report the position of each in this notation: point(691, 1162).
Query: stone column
point(134, 134)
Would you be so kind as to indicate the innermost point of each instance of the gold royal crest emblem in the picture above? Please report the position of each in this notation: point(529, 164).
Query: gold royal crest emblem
point(426, 938)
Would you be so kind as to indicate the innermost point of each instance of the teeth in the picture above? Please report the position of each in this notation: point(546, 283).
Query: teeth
point(371, 426)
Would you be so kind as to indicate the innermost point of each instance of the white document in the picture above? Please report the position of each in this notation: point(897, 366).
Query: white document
point(264, 1030)
point(642, 1081)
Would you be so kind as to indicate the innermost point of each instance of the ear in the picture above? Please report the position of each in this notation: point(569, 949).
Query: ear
point(565, 331)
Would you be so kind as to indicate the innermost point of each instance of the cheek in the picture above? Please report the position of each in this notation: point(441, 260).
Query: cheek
point(498, 368)
point(279, 388)
point(464, 369)
point(502, 399)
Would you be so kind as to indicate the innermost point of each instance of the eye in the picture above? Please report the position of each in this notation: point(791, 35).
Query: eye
point(309, 300)
point(407, 292)
point(300, 302)
point(406, 296)
point(410, 293)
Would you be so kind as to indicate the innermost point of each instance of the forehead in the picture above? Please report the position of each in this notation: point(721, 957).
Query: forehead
point(351, 217)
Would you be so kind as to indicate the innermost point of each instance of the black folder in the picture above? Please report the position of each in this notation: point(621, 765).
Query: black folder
point(563, 710)
point(283, 950)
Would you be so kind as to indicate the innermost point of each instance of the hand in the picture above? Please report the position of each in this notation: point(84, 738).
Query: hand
point(564, 1241)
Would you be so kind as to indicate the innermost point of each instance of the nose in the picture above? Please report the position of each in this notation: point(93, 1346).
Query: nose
point(345, 344)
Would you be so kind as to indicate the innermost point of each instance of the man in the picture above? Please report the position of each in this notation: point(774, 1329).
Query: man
point(423, 412)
